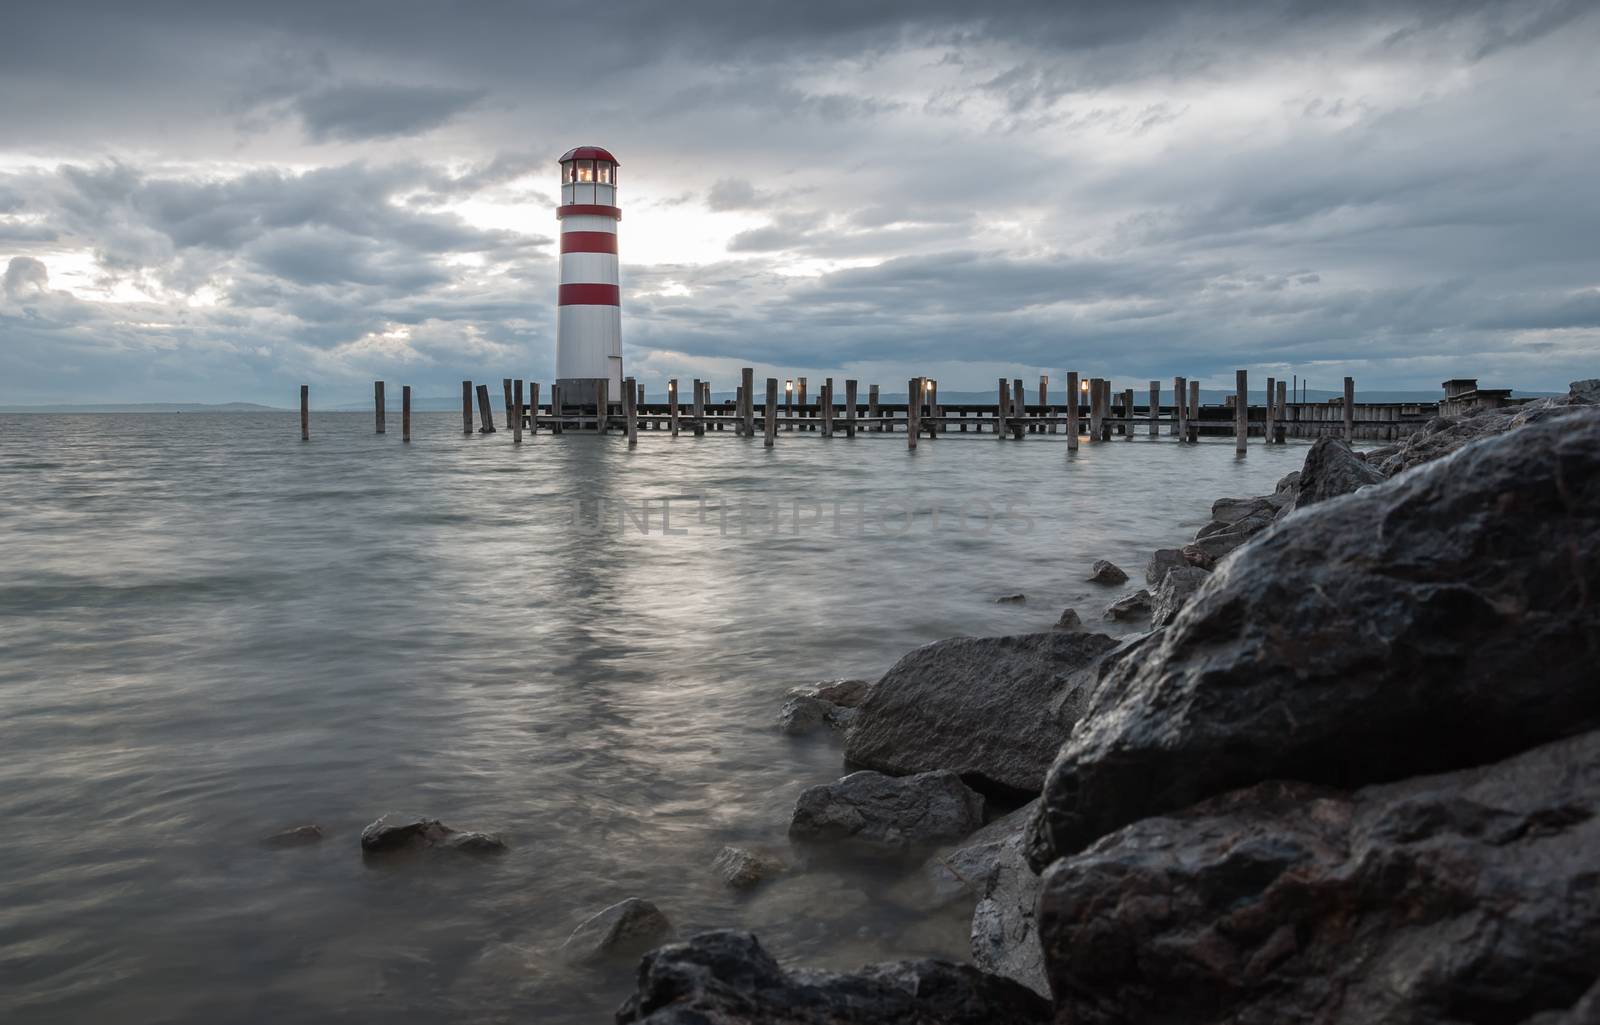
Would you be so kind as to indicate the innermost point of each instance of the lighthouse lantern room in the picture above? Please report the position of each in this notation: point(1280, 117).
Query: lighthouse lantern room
point(589, 318)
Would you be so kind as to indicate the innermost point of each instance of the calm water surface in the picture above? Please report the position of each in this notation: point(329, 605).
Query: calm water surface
point(210, 631)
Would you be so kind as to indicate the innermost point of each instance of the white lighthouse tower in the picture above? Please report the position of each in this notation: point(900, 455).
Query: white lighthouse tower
point(589, 324)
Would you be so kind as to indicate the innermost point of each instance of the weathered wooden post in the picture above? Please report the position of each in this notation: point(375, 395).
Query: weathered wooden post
point(466, 407)
point(788, 404)
point(555, 409)
point(630, 411)
point(1193, 436)
point(377, 404)
point(1349, 409)
point(825, 407)
point(1072, 411)
point(640, 387)
point(1001, 405)
point(872, 408)
point(1155, 409)
point(1272, 397)
point(850, 385)
point(935, 415)
point(505, 383)
point(1241, 410)
point(485, 412)
point(602, 405)
point(405, 412)
point(672, 406)
point(770, 413)
point(533, 407)
point(305, 412)
point(747, 413)
point(1096, 394)
point(1127, 414)
point(1278, 428)
point(1044, 404)
point(1179, 419)
point(516, 412)
point(1019, 408)
point(699, 410)
point(914, 410)
point(802, 381)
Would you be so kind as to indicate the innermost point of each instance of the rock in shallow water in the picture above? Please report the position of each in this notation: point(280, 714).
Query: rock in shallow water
point(299, 836)
point(977, 705)
point(726, 978)
point(888, 812)
point(1130, 607)
point(1468, 896)
point(1104, 572)
point(1369, 637)
point(623, 930)
point(1070, 620)
point(385, 836)
point(801, 714)
point(743, 869)
point(1164, 561)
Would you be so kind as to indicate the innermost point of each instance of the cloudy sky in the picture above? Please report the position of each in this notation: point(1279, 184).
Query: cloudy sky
point(216, 201)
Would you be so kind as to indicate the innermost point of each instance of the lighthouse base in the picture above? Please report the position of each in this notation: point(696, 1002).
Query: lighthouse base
point(585, 391)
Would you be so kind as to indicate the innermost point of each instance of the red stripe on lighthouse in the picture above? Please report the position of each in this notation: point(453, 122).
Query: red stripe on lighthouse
point(594, 209)
point(590, 295)
point(588, 242)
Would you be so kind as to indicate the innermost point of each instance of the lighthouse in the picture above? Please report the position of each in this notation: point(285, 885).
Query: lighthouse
point(589, 317)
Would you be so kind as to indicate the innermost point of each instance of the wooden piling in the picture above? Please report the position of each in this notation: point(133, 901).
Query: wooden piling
point(305, 412)
point(466, 407)
point(1002, 404)
point(533, 408)
point(602, 405)
point(770, 413)
point(748, 412)
point(850, 385)
point(872, 408)
point(377, 404)
point(802, 387)
point(825, 397)
point(1194, 412)
point(1127, 414)
point(699, 410)
point(555, 409)
point(935, 417)
point(405, 413)
point(1349, 409)
point(1272, 398)
point(1178, 419)
point(505, 383)
point(1278, 428)
point(516, 412)
point(914, 409)
point(672, 406)
point(1096, 395)
point(788, 404)
point(630, 410)
point(1019, 408)
point(485, 412)
point(1241, 410)
point(1072, 411)
point(639, 386)
point(1155, 409)
point(1044, 403)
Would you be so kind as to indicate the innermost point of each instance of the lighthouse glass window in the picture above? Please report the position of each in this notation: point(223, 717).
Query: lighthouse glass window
point(602, 173)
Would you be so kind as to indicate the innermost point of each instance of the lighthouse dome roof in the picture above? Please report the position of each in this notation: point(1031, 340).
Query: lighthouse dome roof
point(588, 153)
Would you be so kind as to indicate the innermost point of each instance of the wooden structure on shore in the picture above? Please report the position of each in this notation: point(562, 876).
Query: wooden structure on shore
point(1100, 413)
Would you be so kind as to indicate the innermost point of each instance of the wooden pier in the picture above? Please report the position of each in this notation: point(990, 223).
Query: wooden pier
point(1099, 414)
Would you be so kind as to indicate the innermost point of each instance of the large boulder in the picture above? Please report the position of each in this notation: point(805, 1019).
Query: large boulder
point(622, 931)
point(1464, 897)
point(887, 811)
point(1436, 621)
point(1332, 468)
point(977, 705)
point(726, 978)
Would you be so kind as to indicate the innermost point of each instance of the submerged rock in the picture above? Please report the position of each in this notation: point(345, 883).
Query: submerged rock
point(1130, 607)
point(1332, 469)
point(1011, 599)
point(726, 978)
point(977, 705)
point(1103, 572)
point(1333, 651)
point(1468, 896)
point(299, 836)
point(742, 869)
point(385, 836)
point(623, 930)
point(802, 714)
point(886, 811)
point(1069, 620)
point(1174, 593)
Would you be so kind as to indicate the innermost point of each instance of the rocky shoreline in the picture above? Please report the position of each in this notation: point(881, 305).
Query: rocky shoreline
point(1350, 773)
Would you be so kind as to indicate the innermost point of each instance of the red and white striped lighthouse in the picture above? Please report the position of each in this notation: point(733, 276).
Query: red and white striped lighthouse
point(589, 324)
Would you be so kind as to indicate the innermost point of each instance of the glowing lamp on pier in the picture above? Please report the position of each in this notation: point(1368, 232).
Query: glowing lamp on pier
point(589, 301)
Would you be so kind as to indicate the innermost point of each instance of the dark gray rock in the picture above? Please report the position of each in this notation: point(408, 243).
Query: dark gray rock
point(888, 811)
point(386, 836)
point(299, 836)
point(1585, 391)
point(843, 693)
point(963, 870)
point(1011, 599)
point(1174, 593)
point(1196, 556)
point(1132, 606)
point(1005, 938)
point(1161, 563)
point(832, 703)
point(742, 869)
point(1438, 900)
point(1435, 621)
point(1332, 469)
point(622, 931)
point(1232, 510)
point(1103, 572)
point(726, 978)
point(1069, 620)
point(802, 714)
point(976, 705)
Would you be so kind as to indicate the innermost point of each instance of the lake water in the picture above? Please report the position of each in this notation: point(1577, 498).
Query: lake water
point(210, 631)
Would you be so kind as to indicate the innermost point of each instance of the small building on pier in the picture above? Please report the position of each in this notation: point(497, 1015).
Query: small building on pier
point(1462, 395)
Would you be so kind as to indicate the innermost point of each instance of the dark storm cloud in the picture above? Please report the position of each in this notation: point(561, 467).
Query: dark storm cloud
point(353, 112)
